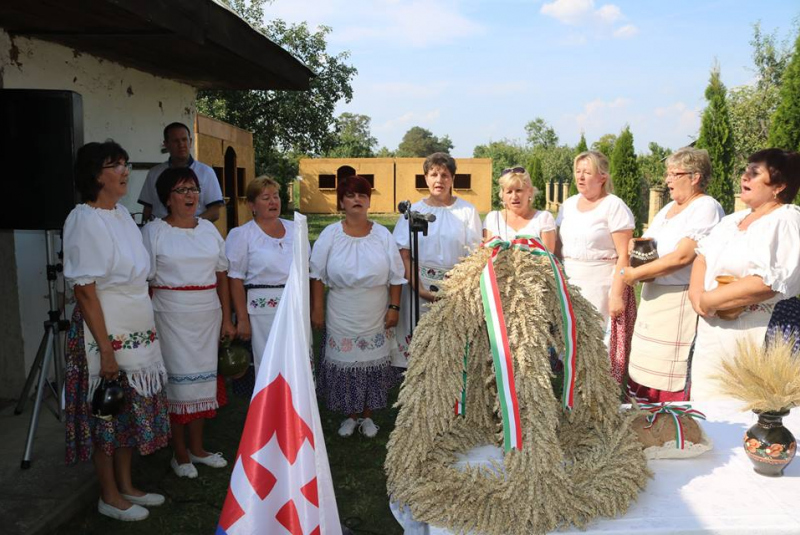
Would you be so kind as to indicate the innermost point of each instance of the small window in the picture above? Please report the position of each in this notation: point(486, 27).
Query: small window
point(370, 179)
point(463, 181)
point(420, 182)
point(240, 180)
point(219, 171)
point(327, 181)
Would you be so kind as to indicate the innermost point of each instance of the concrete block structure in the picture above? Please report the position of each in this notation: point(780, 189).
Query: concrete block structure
point(393, 180)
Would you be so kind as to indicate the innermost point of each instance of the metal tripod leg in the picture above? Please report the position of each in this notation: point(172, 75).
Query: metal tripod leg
point(32, 374)
point(50, 339)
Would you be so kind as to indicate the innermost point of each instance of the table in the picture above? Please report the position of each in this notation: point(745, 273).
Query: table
point(717, 492)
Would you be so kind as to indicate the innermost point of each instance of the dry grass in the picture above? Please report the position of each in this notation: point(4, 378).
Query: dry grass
point(765, 377)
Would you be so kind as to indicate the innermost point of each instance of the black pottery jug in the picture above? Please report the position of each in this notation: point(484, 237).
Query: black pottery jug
point(769, 445)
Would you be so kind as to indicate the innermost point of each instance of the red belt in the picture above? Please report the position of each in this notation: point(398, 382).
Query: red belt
point(185, 288)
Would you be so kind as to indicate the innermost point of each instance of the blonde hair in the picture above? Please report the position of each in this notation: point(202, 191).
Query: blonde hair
point(258, 185)
point(693, 161)
point(516, 178)
point(599, 163)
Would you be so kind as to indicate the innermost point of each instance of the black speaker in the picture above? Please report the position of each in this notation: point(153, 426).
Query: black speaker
point(40, 132)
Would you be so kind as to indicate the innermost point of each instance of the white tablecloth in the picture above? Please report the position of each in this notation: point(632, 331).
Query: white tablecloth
point(717, 492)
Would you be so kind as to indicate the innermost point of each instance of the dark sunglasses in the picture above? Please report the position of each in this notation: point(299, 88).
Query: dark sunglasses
point(512, 170)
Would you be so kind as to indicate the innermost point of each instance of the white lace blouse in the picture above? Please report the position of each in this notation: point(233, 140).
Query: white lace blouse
point(104, 247)
point(342, 261)
point(256, 257)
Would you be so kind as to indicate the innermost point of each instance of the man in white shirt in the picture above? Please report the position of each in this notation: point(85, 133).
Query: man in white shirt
point(178, 142)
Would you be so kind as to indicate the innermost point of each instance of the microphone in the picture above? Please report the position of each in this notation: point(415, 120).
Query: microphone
point(403, 207)
point(419, 216)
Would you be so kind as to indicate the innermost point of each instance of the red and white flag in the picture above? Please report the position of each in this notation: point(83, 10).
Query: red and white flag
point(281, 482)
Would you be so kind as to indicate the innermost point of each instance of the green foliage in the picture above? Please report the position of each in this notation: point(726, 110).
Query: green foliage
point(652, 166)
point(286, 124)
point(421, 143)
point(770, 58)
point(582, 146)
point(627, 179)
point(556, 163)
point(353, 137)
point(504, 154)
point(605, 144)
point(383, 152)
point(785, 130)
point(716, 136)
point(537, 179)
point(541, 134)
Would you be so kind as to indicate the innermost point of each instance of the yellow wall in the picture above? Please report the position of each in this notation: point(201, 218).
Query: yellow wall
point(313, 200)
point(212, 140)
point(394, 182)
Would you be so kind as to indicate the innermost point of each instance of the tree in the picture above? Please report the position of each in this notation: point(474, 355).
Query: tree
point(785, 130)
point(383, 152)
point(353, 137)
point(286, 124)
point(556, 164)
point(504, 154)
point(627, 180)
point(605, 144)
point(420, 143)
point(716, 136)
point(540, 134)
point(652, 166)
point(537, 179)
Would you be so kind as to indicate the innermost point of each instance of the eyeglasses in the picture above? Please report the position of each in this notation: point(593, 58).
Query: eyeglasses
point(675, 176)
point(751, 171)
point(512, 170)
point(120, 167)
point(184, 191)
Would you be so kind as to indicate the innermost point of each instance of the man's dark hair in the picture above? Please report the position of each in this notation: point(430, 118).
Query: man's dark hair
point(89, 164)
point(173, 126)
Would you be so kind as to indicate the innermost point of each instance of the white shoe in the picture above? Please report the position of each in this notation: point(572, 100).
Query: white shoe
point(131, 514)
point(151, 499)
point(214, 460)
point(347, 427)
point(183, 470)
point(368, 428)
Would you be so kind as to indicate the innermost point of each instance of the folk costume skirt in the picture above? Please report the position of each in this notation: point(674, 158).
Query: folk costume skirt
point(262, 304)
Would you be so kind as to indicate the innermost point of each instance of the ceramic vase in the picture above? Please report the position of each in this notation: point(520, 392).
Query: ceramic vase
point(644, 251)
point(769, 445)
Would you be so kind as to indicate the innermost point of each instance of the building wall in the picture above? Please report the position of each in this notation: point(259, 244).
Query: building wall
point(395, 181)
point(127, 105)
point(213, 140)
point(314, 200)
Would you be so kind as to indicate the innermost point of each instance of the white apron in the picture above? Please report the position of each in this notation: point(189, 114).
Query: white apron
point(262, 303)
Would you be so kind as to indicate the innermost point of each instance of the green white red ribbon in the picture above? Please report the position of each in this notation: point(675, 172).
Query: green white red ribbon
point(676, 411)
point(461, 402)
point(498, 336)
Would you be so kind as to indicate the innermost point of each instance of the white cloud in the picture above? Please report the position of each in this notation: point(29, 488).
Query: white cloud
point(414, 23)
point(583, 13)
point(626, 32)
point(417, 118)
point(683, 117)
point(599, 116)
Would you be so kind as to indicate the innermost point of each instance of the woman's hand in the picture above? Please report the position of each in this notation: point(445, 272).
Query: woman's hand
point(616, 306)
point(228, 330)
point(629, 276)
point(243, 331)
point(702, 306)
point(318, 318)
point(109, 369)
point(392, 316)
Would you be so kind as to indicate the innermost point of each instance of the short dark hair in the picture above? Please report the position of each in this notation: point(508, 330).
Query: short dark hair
point(173, 126)
point(352, 184)
point(439, 159)
point(89, 164)
point(169, 178)
point(784, 168)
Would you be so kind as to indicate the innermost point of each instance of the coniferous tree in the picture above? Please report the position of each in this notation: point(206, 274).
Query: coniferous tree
point(716, 136)
point(625, 173)
point(537, 179)
point(582, 147)
point(785, 129)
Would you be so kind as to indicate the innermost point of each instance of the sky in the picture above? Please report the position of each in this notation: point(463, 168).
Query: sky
point(479, 70)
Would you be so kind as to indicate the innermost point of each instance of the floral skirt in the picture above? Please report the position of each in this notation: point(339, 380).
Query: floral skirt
point(785, 322)
point(351, 389)
point(143, 422)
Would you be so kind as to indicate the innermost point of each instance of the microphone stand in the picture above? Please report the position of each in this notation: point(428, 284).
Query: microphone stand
point(417, 223)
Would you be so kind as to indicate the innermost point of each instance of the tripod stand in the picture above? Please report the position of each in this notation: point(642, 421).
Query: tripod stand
point(417, 223)
point(50, 352)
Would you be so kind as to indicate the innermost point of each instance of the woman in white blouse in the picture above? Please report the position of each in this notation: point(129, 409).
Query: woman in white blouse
point(260, 257)
point(113, 334)
point(594, 229)
point(519, 217)
point(456, 231)
point(759, 248)
point(665, 322)
point(358, 261)
point(192, 309)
